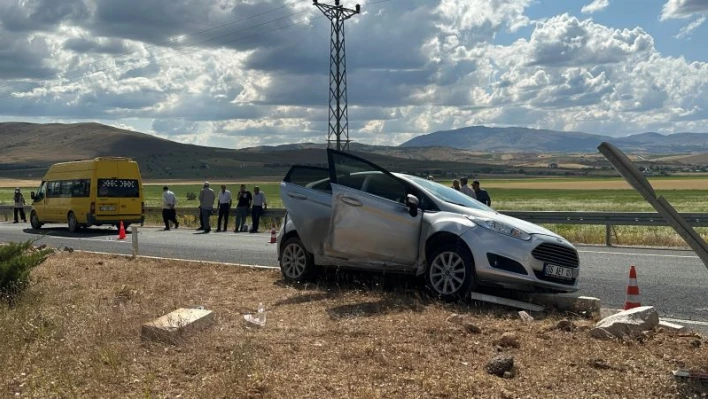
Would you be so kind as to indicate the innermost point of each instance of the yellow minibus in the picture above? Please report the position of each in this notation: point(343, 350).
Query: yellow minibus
point(105, 190)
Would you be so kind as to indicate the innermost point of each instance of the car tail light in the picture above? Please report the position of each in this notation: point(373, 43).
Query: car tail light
point(93, 208)
point(142, 207)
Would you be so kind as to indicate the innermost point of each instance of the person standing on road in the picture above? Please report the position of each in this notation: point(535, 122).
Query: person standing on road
point(467, 189)
point(224, 208)
point(206, 206)
point(19, 206)
point(456, 184)
point(242, 207)
point(169, 213)
point(482, 195)
point(259, 204)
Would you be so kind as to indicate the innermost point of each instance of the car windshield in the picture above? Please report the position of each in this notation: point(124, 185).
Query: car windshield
point(448, 194)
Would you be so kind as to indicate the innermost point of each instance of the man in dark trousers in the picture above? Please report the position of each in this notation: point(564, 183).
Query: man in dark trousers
point(243, 204)
point(259, 204)
point(19, 206)
point(482, 195)
point(224, 208)
point(206, 206)
point(169, 213)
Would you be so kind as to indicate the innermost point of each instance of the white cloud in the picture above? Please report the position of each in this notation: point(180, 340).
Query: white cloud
point(595, 6)
point(686, 30)
point(414, 67)
point(674, 9)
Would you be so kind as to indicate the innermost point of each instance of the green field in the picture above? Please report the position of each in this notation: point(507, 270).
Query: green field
point(527, 199)
point(505, 199)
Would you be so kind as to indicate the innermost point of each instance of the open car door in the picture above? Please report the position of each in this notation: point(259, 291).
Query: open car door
point(371, 217)
point(307, 196)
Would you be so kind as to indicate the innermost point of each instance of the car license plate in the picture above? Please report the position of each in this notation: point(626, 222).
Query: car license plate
point(559, 271)
point(108, 208)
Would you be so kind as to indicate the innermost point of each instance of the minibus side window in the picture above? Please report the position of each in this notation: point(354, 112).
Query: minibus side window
point(118, 188)
point(80, 188)
point(53, 189)
point(66, 188)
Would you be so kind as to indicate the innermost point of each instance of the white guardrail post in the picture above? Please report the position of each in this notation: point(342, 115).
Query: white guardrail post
point(134, 236)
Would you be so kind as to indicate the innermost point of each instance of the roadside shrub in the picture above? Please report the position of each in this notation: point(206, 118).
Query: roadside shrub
point(16, 262)
point(191, 196)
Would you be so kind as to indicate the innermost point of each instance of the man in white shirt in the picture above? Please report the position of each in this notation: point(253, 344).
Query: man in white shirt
point(224, 208)
point(467, 189)
point(259, 204)
point(169, 213)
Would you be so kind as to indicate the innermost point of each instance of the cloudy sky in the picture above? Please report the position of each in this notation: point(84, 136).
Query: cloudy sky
point(240, 73)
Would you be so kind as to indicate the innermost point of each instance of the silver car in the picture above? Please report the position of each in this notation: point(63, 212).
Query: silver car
point(356, 214)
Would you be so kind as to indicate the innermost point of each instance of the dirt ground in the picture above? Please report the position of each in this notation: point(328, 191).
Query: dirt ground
point(11, 183)
point(76, 334)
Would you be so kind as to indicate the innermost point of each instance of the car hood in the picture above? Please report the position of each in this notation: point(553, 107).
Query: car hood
point(528, 227)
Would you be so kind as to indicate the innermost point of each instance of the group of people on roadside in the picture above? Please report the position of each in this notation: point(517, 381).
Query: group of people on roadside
point(246, 201)
point(475, 191)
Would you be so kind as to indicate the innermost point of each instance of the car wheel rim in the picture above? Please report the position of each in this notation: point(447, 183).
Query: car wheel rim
point(72, 222)
point(447, 273)
point(34, 219)
point(294, 260)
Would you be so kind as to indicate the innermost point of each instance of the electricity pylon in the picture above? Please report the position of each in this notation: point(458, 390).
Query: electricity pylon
point(338, 114)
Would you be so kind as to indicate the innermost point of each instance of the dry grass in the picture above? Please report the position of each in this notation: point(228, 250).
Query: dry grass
point(76, 335)
point(578, 184)
point(12, 183)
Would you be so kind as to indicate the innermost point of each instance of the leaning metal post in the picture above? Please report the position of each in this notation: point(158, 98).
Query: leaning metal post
point(338, 113)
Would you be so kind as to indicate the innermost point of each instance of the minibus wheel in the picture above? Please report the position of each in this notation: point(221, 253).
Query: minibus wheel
point(73, 223)
point(34, 221)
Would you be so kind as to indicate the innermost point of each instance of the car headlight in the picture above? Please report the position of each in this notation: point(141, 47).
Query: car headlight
point(501, 228)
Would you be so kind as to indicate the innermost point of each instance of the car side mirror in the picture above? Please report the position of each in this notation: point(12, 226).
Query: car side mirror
point(32, 196)
point(412, 204)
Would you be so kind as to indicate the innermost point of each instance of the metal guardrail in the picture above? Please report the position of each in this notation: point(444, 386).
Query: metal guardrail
point(608, 219)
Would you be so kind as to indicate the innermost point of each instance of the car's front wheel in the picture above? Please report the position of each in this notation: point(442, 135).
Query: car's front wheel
point(296, 263)
point(450, 273)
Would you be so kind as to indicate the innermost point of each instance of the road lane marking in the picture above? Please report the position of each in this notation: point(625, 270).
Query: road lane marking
point(681, 321)
point(640, 254)
point(182, 260)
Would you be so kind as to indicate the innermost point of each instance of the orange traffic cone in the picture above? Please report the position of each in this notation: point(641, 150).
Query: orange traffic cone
point(273, 239)
point(121, 231)
point(632, 290)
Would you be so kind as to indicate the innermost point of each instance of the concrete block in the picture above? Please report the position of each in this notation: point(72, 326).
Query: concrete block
point(672, 326)
point(630, 323)
point(174, 325)
point(506, 302)
point(566, 302)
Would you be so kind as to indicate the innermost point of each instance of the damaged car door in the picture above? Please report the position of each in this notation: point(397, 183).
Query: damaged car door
point(306, 195)
point(374, 218)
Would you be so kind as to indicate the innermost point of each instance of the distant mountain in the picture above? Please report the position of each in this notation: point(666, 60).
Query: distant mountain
point(28, 149)
point(516, 139)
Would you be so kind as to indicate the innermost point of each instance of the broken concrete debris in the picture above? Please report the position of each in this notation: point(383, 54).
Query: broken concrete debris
point(628, 323)
point(173, 326)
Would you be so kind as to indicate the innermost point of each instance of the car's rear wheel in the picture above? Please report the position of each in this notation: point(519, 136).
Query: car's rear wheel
point(34, 221)
point(72, 222)
point(296, 263)
point(450, 273)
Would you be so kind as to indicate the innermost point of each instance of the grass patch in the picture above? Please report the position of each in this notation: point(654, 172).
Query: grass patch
point(348, 335)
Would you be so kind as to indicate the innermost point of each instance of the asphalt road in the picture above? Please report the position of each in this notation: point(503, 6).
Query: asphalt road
point(674, 281)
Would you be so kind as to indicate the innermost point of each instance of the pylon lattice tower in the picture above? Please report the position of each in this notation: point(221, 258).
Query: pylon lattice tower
point(338, 113)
